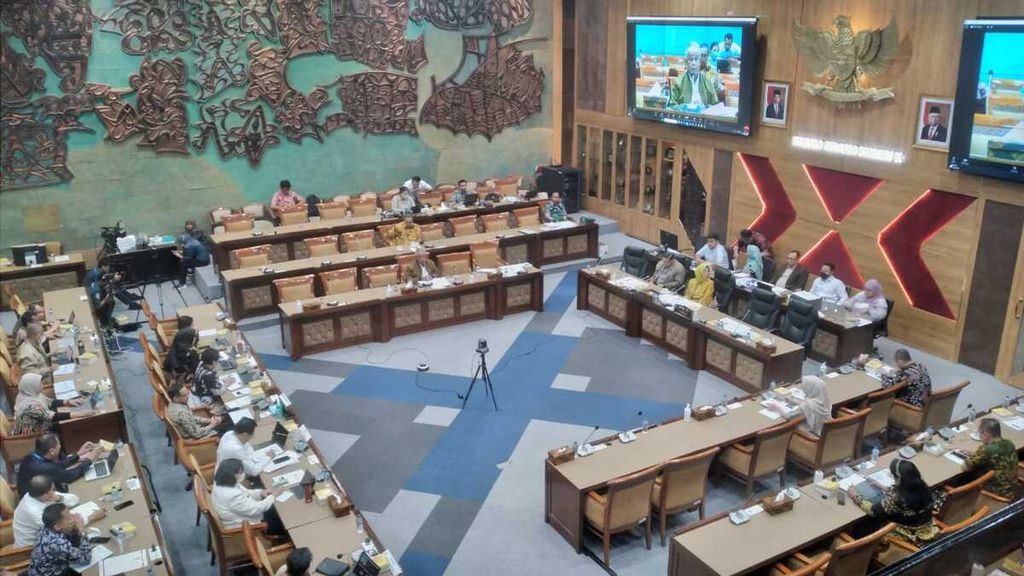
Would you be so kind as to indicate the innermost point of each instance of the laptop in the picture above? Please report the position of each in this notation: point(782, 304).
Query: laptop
point(365, 566)
point(470, 199)
point(868, 491)
point(89, 405)
point(103, 468)
point(832, 309)
point(280, 435)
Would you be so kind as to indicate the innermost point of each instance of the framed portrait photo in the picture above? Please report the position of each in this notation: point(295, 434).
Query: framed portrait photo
point(775, 104)
point(934, 117)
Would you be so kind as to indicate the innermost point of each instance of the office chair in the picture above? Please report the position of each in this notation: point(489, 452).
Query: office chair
point(725, 288)
point(764, 309)
point(799, 323)
point(634, 261)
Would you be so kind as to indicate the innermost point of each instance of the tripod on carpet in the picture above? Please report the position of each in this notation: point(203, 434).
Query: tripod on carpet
point(481, 374)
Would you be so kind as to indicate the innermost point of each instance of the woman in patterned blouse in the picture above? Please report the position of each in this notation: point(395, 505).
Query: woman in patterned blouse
point(36, 412)
point(919, 383)
point(909, 503)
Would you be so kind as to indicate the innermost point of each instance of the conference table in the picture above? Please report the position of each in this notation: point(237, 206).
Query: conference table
point(286, 242)
point(706, 340)
point(89, 377)
point(30, 282)
point(378, 314)
point(840, 338)
point(250, 291)
point(312, 524)
point(566, 484)
point(142, 514)
point(766, 539)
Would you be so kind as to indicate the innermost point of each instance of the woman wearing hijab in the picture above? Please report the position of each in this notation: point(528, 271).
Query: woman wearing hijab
point(182, 359)
point(36, 412)
point(755, 264)
point(701, 288)
point(869, 303)
point(909, 503)
point(814, 407)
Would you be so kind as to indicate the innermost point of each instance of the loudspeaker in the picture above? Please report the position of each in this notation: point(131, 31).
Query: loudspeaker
point(563, 179)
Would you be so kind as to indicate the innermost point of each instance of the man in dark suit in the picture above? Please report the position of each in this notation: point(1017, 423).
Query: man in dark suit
point(793, 276)
point(933, 130)
point(422, 269)
point(46, 461)
point(776, 109)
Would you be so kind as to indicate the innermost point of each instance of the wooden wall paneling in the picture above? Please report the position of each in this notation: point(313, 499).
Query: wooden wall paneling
point(615, 87)
point(591, 53)
point(719, 190)
point(557, 66)
point(1012, 327)
point(1001, 230)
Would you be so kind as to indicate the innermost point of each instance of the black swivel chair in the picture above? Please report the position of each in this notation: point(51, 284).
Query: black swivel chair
point(769, 269)
point(687, 263)
point(764, 309)
point(651, 261)
point(634, 261)
point(725, 287)
point(882, 326)
point(799, 323)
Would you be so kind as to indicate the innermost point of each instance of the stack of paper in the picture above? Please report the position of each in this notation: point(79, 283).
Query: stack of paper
point(1015, 423)
point(237, 415)
point(883, 478)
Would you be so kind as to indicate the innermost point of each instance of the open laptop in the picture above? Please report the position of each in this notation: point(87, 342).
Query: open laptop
point(280, 435)
point(102, 468)
point(90, 404)
point(832, 309)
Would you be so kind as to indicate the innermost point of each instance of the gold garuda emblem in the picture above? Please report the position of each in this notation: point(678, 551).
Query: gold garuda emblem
point(845, 59)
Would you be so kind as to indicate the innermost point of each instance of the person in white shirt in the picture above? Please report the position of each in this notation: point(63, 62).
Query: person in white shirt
point(234, 503)
point(417, 185)
point(827, 286)
point(235, 444)
point(28, 516)
point(714, 252)
point(404, 201)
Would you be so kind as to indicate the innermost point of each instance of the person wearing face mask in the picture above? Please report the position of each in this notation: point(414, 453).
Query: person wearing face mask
point(827, 286)
point(793, 276)
point(234, 503)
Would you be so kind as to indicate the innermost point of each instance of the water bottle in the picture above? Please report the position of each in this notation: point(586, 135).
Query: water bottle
point(359, 523)
point(972, 414)
point(819, 476)
point(687, 413)
point(120, 447)
point(823, 369)
point(1006, 402)
point(874, 455)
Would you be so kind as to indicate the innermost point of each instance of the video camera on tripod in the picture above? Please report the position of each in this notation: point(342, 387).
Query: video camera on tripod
point(110, 234)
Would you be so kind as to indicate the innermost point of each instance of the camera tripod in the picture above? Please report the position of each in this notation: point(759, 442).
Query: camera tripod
point(481, 374)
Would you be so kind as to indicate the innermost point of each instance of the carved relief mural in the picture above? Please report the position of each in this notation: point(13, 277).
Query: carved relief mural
point(19, 79)
point(248, 134)
point(217, 48)
point(161, 96)
point(373, 32)
point(495, 86)
point(58, 30)
point(504, 89)
point(376, 103)
point(302, 29)
point(32, 153)
point(148, 26)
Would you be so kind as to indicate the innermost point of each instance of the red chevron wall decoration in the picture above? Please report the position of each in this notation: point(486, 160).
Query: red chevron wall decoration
point(840, 192)
point(778, 213)
point(831, 248)
point(901, 241)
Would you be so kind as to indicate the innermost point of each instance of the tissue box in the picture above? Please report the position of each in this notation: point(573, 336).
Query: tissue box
point(105, 445)
point(126, 527)
point(772, 507)
point(322, 494)
point(87, 359)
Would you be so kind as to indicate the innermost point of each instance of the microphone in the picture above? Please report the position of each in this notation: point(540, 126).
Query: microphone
point(585, 449)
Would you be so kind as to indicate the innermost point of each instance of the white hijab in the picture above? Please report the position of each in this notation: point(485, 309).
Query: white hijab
point(815, 406)
point(30, 391)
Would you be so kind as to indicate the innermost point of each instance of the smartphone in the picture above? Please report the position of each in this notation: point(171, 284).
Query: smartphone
point(281, 459)
point(99, 539)
point(123, 505)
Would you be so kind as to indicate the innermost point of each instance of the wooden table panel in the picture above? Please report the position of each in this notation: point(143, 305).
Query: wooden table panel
point(30, 282)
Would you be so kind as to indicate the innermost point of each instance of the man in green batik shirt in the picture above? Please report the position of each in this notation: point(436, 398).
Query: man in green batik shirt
point(997, 454)
point(693, 88)
point(555, 210)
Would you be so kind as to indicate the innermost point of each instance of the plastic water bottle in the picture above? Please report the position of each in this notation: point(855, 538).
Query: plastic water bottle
point(819, 476)
point(823, 369)
point(120, 447)
point(644, 425)
point(972, 414)
point(687, 413)
point(359, 523)
point(1006, 402)
point(874, 455)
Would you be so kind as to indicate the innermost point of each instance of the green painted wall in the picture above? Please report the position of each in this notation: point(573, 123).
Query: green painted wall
point(156, 193)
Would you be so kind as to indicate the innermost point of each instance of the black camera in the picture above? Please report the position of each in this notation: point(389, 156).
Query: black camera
point(110, 234)
point(481, 346)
